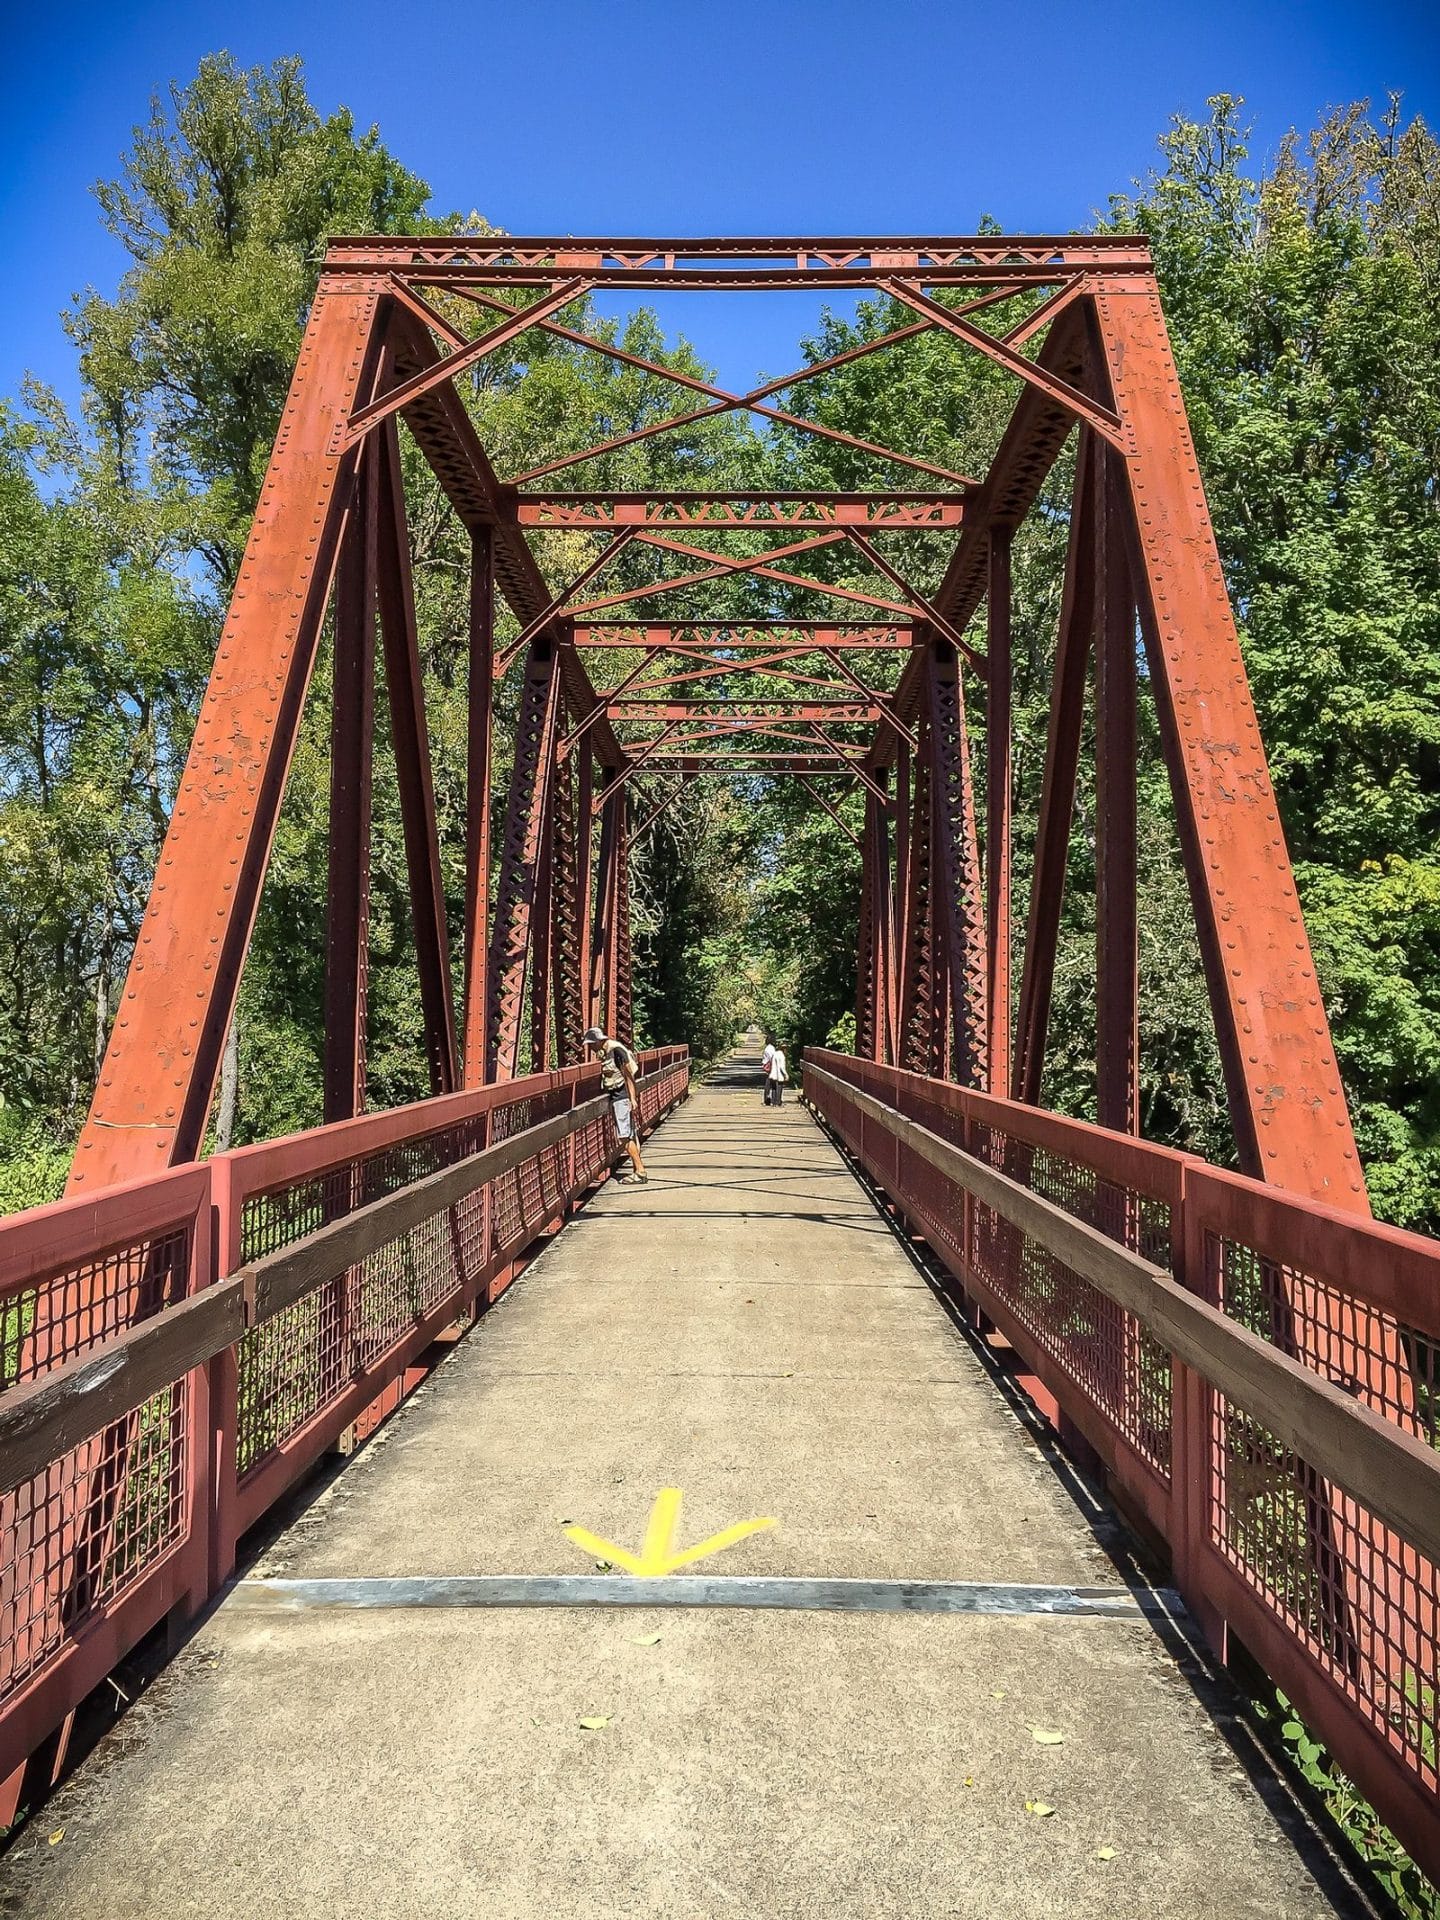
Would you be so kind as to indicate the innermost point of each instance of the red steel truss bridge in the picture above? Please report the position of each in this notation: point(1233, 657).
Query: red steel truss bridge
point(1244, 1358)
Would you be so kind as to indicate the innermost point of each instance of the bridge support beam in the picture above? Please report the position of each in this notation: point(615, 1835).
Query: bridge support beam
point(519, 900)
point(1057, 789)
point(404, 685)
point(352, 732)
point(999, 774)
point(922, 1039)
point(478, 756)
point(1291, 1121)
point(873, 955)
point(152, 1102)
point(959, 915)
point(611, 970)
point(1117, 959)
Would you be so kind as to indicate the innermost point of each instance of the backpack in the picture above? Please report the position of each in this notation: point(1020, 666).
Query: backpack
point(618, 1061)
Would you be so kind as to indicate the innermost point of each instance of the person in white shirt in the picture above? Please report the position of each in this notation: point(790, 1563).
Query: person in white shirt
point(775, 1077)
point(766, 1057)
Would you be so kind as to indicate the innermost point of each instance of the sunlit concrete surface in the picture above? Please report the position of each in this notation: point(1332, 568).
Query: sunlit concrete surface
point(745, 1328)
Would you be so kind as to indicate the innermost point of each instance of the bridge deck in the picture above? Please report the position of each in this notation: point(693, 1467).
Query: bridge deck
point(748, 1329)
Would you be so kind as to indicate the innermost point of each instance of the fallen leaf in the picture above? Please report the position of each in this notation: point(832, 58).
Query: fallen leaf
point(594, 1721)
point(644, 1639)
point(1105, 1853)
point(57, 1836)
point(605, 1566)
point(1041, 1809)
point(999, 1694)
point(969, 1781)
point(1043, 1737)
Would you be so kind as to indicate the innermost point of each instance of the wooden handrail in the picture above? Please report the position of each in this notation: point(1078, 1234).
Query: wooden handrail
point(44, 1418)
point(1389, 1471)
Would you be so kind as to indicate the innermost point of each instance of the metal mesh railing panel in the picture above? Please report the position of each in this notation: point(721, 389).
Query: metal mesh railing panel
point(77, 1536)
point(1363, 1603)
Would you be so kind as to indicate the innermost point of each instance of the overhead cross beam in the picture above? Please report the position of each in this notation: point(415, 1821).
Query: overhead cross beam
point(855, 635)
point(915, 512)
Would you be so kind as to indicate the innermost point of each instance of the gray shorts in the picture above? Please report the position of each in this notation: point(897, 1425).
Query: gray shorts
point(624, 1119)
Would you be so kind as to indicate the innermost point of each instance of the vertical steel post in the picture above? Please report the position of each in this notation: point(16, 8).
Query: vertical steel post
point(959, 912)
point(542, 921)
point(899, 923)
point(998, 779)
point(619, 1009)
point(882, 917)
point(870, 984)
point(1292, 1125)
point(1057, 789)
point(585, 878)
point(352, 733)
point(1116, 941)
point(566, 958)
point(153, 1098)
point(405, 687)
point(516, 885)
point(480, 728)
point(602, 932)
point(921, 1038)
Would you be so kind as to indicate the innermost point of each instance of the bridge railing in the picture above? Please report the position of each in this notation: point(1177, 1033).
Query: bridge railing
point(1258, 1374)
point(176, 1354)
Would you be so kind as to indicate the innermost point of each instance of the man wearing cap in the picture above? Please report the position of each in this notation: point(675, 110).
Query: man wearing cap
point(617, 1079)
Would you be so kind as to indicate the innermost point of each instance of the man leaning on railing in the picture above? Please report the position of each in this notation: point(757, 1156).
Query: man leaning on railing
point(617, 1078)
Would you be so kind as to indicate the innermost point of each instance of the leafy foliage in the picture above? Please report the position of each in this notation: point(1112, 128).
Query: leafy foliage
point(1304, 311)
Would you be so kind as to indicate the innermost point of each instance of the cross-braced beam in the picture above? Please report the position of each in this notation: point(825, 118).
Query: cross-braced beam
point(518, 897)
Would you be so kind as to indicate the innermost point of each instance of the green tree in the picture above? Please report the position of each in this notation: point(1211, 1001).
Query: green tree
point(103, 650)
point(224, 203)
point(1305, 311)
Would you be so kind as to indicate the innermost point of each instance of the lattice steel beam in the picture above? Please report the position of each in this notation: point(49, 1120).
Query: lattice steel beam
point(879, 511)
point(521, 851)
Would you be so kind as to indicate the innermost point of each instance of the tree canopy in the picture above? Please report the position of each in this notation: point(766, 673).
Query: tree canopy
point(1304, 302)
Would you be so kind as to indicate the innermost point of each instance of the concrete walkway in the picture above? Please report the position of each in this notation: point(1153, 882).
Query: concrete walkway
point(745, 1328)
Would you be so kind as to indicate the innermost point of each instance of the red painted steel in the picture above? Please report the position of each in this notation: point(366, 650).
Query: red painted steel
point(96, 1550)
point(520, 858)
point(1254, 1546)
point(404, 684)
point(764, 510)
point(706, 635)
point(960, 923)
point(142, 1520)
point(153, 1097)
point(1289, 1109)
point(999, 776)
point(478, 789)
point(1117, 956)
point(352, 728)
point(1057, 791)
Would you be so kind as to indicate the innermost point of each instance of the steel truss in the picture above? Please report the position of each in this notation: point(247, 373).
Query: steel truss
point(546, 944)
point(545, 939)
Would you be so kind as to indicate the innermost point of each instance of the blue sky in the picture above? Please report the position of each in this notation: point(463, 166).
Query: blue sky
point(642, 116)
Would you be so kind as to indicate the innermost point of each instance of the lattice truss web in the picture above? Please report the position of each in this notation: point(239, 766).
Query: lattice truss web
point(837, 638)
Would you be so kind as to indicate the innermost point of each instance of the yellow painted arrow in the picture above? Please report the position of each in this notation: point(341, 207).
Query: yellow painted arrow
point(658, 1556)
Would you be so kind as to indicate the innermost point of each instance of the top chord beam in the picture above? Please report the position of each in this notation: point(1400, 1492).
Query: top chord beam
point(741, 264)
